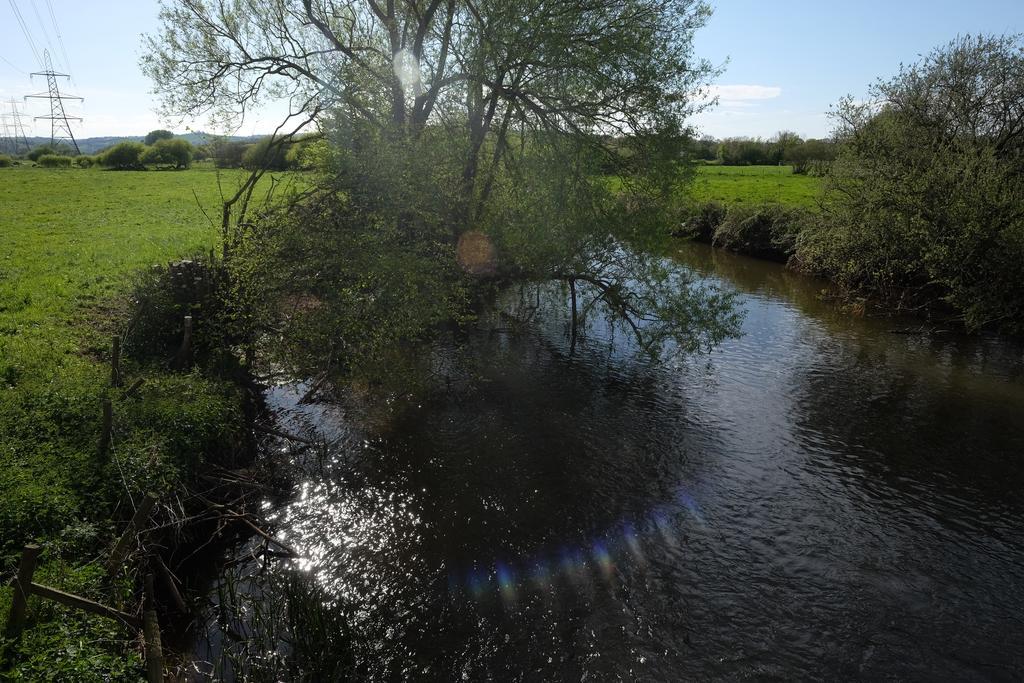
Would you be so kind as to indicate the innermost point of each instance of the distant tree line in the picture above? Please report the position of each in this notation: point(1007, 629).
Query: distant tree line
point(810, 156)
point(161, 149)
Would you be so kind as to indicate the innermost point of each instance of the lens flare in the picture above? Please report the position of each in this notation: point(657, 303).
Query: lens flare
point(476, 254)
point(604, 560)
point(664, 527)
point(633, 543)
point(687, 501)
point(406, 69)
point(565, 563)
point(541, 575)
point(478, 584)
point(506, 584)
point(579, 565)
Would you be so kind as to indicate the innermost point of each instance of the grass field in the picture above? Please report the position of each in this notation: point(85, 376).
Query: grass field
point(70, 241)
point(71, 237)
point(755, 184)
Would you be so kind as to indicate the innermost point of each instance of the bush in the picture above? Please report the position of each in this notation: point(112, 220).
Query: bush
point(929, 184)
point(703, 221)
point(199, 287)
point(264, 155)
point(811, 157)
point(39, 151)
point(227, 153)
point(154, 136)
point(85, 161)
point(767, 231)
point(813, 168)
point(747, 152)
point(6, 161)
point(54, 161)
point(124, 156)
point(176, 153)
point(308, 154)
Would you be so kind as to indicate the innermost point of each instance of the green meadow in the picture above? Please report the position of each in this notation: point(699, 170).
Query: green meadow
point(756, 184)
point(69, 245)
point(71, 238)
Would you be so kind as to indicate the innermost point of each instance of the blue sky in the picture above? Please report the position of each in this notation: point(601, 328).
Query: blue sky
point(797, 57)
point(788, 60)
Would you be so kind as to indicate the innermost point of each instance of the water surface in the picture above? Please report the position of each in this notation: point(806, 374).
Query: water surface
point(826, 496)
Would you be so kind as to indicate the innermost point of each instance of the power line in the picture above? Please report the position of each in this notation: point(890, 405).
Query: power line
point(60, 37)
point(23, 73)
point(42, 27)
point(24, 30)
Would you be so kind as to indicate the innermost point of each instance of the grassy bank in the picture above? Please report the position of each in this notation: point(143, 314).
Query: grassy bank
point(753, 210)
point(766, 212)
point(70, 244)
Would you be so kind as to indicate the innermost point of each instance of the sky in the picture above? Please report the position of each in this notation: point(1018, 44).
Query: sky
point(785, 62)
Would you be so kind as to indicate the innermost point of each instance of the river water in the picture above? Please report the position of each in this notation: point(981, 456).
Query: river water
point(826, 496)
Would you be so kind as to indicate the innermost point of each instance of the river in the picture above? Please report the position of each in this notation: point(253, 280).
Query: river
point(827, 496)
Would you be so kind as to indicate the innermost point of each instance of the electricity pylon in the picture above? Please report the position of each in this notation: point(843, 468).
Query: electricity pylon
point(60, 122)
point(7, 142)
point(14, 131)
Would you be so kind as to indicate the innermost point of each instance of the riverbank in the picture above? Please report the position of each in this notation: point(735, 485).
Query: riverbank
point(955, 258)
point(69, 481)
point(778, 232)
point(795, 234)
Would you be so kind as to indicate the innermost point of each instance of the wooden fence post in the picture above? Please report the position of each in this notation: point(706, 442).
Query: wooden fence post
point(22, 589)
point(107, 428)
point(151, 632)
point(128, 537)
point(115, 362)
point(183, 361)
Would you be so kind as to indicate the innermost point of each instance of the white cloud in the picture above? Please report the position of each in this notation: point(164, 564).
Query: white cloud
point(721, 123)
point(752, 110)
point(743, 95)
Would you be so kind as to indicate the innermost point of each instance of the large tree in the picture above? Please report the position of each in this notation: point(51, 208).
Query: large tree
point(489, 71)
point(462, 131)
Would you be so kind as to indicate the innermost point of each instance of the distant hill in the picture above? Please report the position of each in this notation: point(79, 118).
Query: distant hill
point(94, 145)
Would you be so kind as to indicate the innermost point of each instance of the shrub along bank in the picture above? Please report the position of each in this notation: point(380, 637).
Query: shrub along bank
point(924, 204)
point(768, 231)
point(808, 241)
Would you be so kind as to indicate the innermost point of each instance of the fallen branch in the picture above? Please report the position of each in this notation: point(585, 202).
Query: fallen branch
point(85, 604)
point(283, 435)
